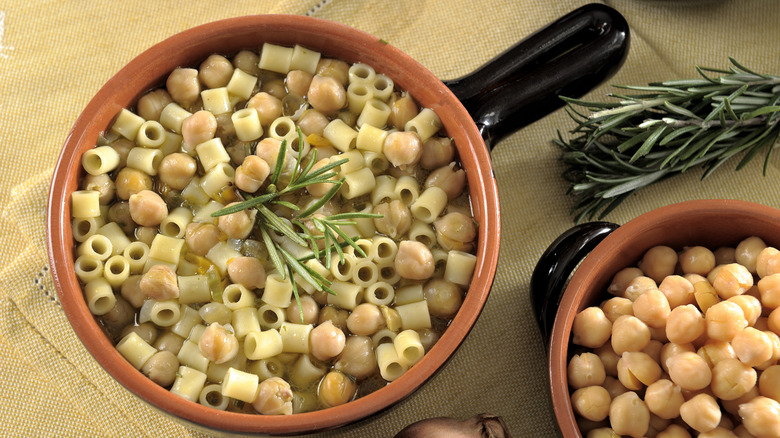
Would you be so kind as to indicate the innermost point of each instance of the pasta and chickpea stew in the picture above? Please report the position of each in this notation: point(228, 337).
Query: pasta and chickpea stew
point(275, 232)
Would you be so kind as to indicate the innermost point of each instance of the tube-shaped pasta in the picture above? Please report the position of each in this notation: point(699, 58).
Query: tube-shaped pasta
point(283, 128)
point(172, 116)
point(189, 319)
point(358, 183)
point(267, 368)
point(175, 223)
point(390, 365)
point(295, 337)
point(165, 313)
point(151, 134)
point(100, 296)
point(382, 87)
point(383, 336)
point(85, 203)
point(190, 355)
point(270, 316)
point(260, 345)
point(245, 321)
point(275, 58)
point(171, 143)
point(216, 371)
point(423, 233)
point(88, 268)
point(216, 179)
point(375, 161)
point(342, 136)
point(211, 153)
point(116, 270)
point(355, 163)
point(426, 124)
point(348, 295)
point(409, 294)
point(383, 249)
point(343, 270)
point(216, 100)
point(135, 349)
point(365, 273)
point(304, 371)
point(236, 296)
point(100, 160)
point(189, 383)
point(211, 395)
point(384, 189)
point(278, 290)
point(304, 59)
point(375, 113)
point(429, 205)
point(166, 249)
point(247, 123)
point(408, 346)
point(194, 289)
point(145, 160)
point(127, 124)
point(118, 238)
point(98, 246)
point(196, 333)
point(240, 385)
point(136, 253)
point(83, 227)
point(241, 84)
point(387, 272)
point(195, 195)
point(357, 96)
point(407, 189)
point(220, 254)
point(415, 315)
point(460, 267)
point(361, 73)
point(379, 293)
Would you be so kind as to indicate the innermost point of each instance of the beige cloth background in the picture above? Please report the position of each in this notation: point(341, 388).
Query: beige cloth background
point(55, 55)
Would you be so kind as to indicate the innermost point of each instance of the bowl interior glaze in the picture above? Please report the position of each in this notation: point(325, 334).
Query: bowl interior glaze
point(227, 37)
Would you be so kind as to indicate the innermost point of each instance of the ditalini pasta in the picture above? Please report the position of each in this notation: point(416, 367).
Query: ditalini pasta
point(310, 281)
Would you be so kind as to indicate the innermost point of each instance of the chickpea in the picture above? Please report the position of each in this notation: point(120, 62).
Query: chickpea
point(664, 398)
point(455, 231)
point(147, 208)
point(591, 402)
point(247, 60)
point(768, 262)
point(732, 406)
point(414, 260)
point(147, 331)
point(333, 68)
point(769, 383)
point(684, 324)
point(274, 397)
point(731, 280)
point(357, 358)
point(247, 271)
point(326, 94)
point(658, 262)
point(732, 379)
point(130, 181)
point(672, 349)
point(629, 333)
point(697, 260)
point(773, 321)
point(689, 371)
point(652, 308)
point(638, 286)
point(201, 237)
point(131, 291)
point(161, 368)
point(160, 283)
point(197, 128)
point(151, 104)
point(119, 212)
point(102, 184)
point(718, 432)
point(449, 178)
point(613, 386)
point(714, 351)
point(628, 415)
point(598, 432)
point(215, 312)
point(183, 86)
point(237, 225)
point(653, 349)
point(169, 342)
point(608, 358)
point(747, 251)
point(403, 148)
point(443, 297)
point(177, 169)
point(336, 316)
point(622, 279)
point(437, 152)
point(365, 319)
point(313, 122)
point(761, 417)
point(674, 431)
point(297, 82)
point(769, 288)
point(396, 218)
point(215, 71)
point(724, 320)
point(753, 347)
point(775, 359)
point(327, 341)
point(591, 328)
point(637, 369)
point(751, 307)
point(741, 432)
point(701, 413)
point(268, 107)
point(616, 307)
point(145, 234)
point(677, 290)
point(585, 369)
point(335, 389)
point(218, 344)
point(402, 110)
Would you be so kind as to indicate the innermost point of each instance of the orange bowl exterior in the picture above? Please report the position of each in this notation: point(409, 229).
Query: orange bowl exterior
point(710, 223)
point(189, 48)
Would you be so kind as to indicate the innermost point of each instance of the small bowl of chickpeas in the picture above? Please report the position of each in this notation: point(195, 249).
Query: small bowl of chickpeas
point(669, 324)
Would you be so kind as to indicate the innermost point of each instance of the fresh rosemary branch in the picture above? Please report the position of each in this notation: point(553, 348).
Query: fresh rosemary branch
point(665, 129)
point(270, 224)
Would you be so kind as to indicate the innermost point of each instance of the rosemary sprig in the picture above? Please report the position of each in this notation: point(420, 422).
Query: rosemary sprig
point(665, 129)
point(269, 223)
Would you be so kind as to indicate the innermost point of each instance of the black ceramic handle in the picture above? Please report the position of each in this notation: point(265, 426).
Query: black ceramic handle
point(556, 265)
point(568, 57)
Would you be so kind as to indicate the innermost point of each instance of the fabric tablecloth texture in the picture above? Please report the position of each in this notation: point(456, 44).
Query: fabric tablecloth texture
point(55, 55)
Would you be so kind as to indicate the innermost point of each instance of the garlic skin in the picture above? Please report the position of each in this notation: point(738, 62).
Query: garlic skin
point(478, 426)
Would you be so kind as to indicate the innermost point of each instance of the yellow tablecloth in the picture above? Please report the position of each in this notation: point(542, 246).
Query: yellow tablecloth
point(55, 55)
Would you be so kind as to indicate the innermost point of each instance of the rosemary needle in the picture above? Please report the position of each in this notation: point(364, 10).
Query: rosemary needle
point(663, 129)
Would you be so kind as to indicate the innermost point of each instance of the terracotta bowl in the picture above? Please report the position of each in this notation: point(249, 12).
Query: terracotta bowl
point(710, 223)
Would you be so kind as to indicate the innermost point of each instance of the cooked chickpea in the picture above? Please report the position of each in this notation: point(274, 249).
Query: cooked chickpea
point(664, 398)
point(718, 432)
point(658, 262)
point(102, 184)
point(118, 317)
point(365, 319)
point(215, 312)
point(146, 331)
point(678, 290)
point(437, 152)
point(357, 358)
point(333, 68)
point(613, 386)
point(769, 382)
point(652, 308)
point(147, 208)
point(751, 307)
point(622, 279)
point(639, 285)
point(629, 333)
point(449, 178)
point(697, 260)
point(689, 371)
point(761, 417)
point(145, 234)
point(177, 169)
point(335, 315)
point(402, 110)
point(197, 128)
point(591, 328)
point(161, 368)
point(403, 148)
point(591, 402)
point(131, 291)
point(714, 351)
point(247, 60)
point(585, 369)
point(414, 260)
point(732, 379)
point(671, 349)
point(160, 283)
point(327, 341)
point(200, 237)
point(396, 218)
point(701, 412)
point(183, 86)
point(724, 320)
point(628, 415)
point(769, 288)
point(218, 344)
point(773, 321)
point(313, 122)
point(151, 104)
point(335, 389)
point(684, 324)
point(274, 397)
point(455, 231)
point(268, 107)
point(616, 307)
point(653, 349)
point(326, 94)
point(637, 369)
point(768, 262)
point(747, 251)
point(130, 181)
point(753, 347)
point(731, 280)
point(119, 212)
point(237, 225)
point(169, 342)
point(215, 71)
point(247, 271)
point(297, 82)
point(443, 297)
point(674, 431)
